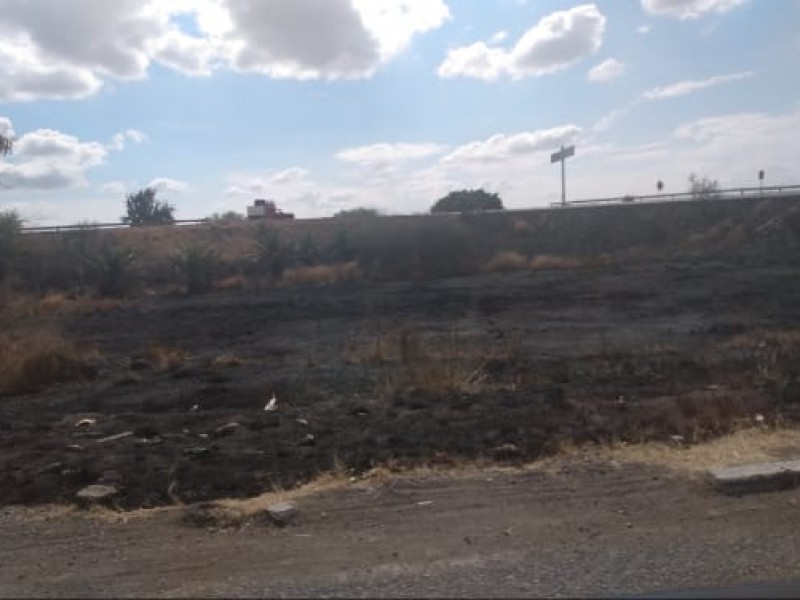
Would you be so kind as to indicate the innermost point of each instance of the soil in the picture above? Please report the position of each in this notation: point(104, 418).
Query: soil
point(584, 529)
point(505, 367)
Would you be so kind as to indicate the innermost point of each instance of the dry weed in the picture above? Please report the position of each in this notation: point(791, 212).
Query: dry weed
point(506, 261)
point(164, 357)
point(236, 282)
point(322, 274)
point(545, 262)
point(34, 360)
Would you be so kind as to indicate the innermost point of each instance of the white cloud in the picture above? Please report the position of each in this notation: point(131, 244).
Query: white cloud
point(556, 42)
point(165, 184)
point(688, 9)
point(295, 39)
point(49, 159)
point(291, 175)
point(6, 127)
point(684, 88)
point(643, 29)
point(498, 37)
point(501, 147)
point(387, 154)
point(66, 50)
point(121, 139)
point(116, 188)
point(477, 60)
point(606, 71)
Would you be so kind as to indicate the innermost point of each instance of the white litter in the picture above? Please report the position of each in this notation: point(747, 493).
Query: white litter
point(271, 405)
point(86, 423)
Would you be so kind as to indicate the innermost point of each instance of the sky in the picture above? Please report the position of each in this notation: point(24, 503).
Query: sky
point(327, 105)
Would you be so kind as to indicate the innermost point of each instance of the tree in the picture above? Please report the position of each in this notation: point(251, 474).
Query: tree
point(361, 212)
point(144, 209)
point(468, 201)
point(230, 216)
point(702, 189)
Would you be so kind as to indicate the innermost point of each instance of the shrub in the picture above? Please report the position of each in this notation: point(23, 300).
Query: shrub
point(196, 265)
point(112, 270)
point(506, 261)
point(10, 227)
point(268, 252)
point(143, 209)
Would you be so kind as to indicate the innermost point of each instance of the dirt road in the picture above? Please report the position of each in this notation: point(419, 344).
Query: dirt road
point(582, 528)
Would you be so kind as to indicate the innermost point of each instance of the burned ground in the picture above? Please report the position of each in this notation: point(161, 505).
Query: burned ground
point(504, 367)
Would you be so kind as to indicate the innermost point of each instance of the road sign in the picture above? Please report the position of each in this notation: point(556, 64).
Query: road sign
point(563, 154)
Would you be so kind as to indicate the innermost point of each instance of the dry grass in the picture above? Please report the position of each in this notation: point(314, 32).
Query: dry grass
point(506, 261)
point(35, 360)
point(164, 357)
point(21, 306)
point(545, 262)
point(745, 446)
point(236, 282)
point(322, 274)
point(226, 361)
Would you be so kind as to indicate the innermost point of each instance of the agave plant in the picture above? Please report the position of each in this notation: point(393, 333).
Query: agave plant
point(196, 265)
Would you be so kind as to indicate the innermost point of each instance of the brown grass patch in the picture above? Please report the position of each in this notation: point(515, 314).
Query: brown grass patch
point(506, 261)
point(33, 361)
point(21, 306)
point(751, 445)
point(164, 357)
point(236, 282)
point(226, 361)
point(546, 262)
point(322, 274)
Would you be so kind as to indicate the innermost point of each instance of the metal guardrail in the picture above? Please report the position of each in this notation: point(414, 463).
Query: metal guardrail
point(85, 226)
point(652, 198)
point(714, 195)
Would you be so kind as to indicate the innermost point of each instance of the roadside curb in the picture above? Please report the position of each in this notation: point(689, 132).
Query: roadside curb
point(756, 478)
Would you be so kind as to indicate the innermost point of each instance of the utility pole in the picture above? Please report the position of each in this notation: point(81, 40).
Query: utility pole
point(562, 156)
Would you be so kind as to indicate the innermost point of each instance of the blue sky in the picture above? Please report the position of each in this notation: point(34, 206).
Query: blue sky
point(324, 105)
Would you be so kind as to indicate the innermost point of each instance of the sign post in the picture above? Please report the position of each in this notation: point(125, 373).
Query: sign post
point(562, 156)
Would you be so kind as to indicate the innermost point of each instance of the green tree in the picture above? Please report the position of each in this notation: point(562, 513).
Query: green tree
point(144, 209)
point(464, 201)
point(230, 216)
point(361, 212)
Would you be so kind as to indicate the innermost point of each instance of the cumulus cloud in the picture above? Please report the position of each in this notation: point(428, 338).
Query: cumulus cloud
point(66, 50)
point(116, 188)
point(688, 9)
point(556, 42)
point(121, 139)
point(501, 147)
point(165, 184)
point(606, 71)
point(49, 159)
point(684, 88)
point(388, 154)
